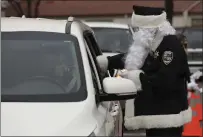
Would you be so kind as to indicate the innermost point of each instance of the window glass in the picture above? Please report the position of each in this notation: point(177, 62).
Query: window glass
point(113, 39)
point(38, 66)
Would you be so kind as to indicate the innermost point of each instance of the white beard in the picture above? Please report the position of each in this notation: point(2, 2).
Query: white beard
point(144, 41)
point(139, 49)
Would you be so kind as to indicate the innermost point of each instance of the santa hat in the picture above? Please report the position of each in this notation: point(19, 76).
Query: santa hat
point(147, 17)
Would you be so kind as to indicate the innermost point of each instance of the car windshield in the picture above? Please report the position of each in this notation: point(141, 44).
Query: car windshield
point(194, 37)
point(41, 67)
point(113, 39)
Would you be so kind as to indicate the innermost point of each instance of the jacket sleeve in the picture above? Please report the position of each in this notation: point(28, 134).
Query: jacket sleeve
point(116, 61)
point(170, 57)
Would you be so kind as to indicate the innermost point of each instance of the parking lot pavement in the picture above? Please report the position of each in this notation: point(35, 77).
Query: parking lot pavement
point(137, 133)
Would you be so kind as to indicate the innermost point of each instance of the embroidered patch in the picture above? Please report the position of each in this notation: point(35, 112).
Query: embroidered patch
point(167, 57)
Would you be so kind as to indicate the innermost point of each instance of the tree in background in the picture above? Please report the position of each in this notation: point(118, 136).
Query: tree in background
point(4, 4)
point(16, 4)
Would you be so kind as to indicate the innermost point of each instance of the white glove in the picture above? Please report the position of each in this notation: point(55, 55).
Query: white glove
point(193, 86)
point(196, 75)
point(133, 75)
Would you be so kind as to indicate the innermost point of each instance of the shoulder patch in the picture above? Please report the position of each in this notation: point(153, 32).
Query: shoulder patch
point(167, 57)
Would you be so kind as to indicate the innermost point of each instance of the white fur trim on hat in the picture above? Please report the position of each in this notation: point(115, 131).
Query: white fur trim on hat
point(158, 121)
point(151, 21)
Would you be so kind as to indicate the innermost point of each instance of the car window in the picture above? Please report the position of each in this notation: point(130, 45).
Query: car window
point(89, 39)
point(113, 39)
point(95, 76)
point(194, 37)
point(41, 66)
point(195, 55)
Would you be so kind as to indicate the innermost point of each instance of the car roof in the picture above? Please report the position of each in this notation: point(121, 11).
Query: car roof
point(106, 25)
point(9, 24)
point(181, 28)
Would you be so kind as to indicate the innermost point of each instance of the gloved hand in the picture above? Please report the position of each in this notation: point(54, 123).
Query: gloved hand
point(122, 73)
point(133, 75)
point(193, 87)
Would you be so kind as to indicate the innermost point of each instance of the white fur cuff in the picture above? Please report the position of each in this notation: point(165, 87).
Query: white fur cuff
point(158, 121)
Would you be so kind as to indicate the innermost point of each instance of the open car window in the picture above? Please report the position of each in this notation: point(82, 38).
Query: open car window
point(114, 40)
point(41, 66)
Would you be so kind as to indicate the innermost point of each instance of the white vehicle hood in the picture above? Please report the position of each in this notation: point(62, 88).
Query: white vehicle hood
point(46, 119)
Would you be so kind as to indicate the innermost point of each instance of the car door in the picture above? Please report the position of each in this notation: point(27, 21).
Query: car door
point(113, 119)
point(115, 105)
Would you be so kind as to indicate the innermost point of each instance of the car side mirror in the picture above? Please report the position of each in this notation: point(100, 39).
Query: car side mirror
point(117, 85)
point(117, 89)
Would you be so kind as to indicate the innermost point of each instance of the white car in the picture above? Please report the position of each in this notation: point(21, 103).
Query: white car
point(113, 38)
point(51, 83)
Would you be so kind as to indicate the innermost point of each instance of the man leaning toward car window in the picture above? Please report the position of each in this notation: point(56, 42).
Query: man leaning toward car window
point(157, 63)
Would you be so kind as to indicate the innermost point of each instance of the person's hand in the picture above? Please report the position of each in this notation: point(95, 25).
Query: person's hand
point(133, 75)
point(122, 73)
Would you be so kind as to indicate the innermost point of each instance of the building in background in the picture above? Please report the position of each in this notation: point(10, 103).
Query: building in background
point(117, 11)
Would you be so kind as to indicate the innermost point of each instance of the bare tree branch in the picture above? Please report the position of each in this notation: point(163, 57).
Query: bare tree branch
point(13, 4)
point(20, 8)
point(16, 4)
point(17, 7)
point(37, 8)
